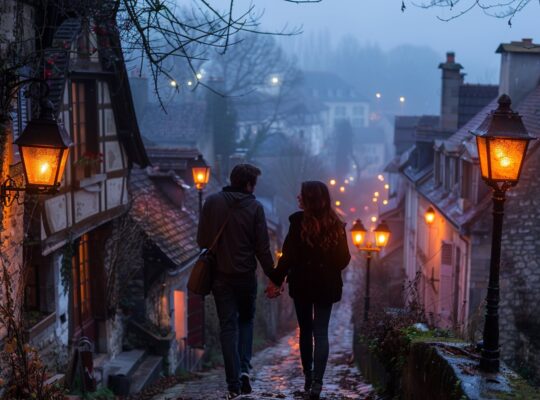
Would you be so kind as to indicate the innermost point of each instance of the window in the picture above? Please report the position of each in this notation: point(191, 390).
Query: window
point(447, 173)
point(340, 111)
point(39, 288)
point(358, 110)
point(357, 122)
point(437, 167)
point(81, 283)
point(466, 180)
point(85, 128)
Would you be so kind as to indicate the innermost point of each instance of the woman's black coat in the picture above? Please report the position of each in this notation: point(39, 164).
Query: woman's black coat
point(314, 274)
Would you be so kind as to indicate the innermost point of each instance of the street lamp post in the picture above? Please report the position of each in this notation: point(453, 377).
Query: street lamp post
point(201, 176)
point(502, 142)
point(359, 233)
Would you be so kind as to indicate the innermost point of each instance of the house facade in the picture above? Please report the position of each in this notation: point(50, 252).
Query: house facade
point(452, 254)
point(67, 252)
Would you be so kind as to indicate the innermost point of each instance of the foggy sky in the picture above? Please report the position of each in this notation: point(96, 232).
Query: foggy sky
point(474, 36)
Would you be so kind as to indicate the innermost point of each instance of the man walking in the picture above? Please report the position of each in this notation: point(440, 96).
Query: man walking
point(243, 242)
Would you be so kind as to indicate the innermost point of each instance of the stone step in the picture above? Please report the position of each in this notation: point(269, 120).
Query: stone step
point(125, 363)
point(146, 373)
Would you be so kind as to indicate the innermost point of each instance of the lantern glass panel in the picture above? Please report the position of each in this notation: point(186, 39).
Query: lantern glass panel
point(506, 156)
point(430, 216)
point(483, 156)
point(358, 237)
point(41, 164)
point(201, 176)
point(381, 238)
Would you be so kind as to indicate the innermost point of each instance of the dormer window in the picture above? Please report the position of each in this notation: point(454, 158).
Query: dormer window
point(437, 167)
point(467, 181)
point(447, 174)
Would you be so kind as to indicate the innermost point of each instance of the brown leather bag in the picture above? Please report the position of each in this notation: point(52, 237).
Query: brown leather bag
point(201, 277)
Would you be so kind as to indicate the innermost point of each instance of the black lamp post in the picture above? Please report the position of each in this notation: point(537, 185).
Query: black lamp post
point(359, 233)
point(201, 176)
point(502, 142)
point(44, 148)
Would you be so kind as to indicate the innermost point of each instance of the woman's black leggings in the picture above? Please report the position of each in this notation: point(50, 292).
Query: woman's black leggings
point(313, 321)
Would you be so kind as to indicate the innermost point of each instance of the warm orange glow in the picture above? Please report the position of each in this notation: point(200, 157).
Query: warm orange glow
point(201, 176)
point(501, 158)
point(380, 177)
point(342, 189)
point(376, 194)
point(346, 181)
point(180, 316)
point(385, 202)
point(358, 233)
point(374, 219)
point(44, 165)
point(386, 186)
point(358, 239)
point(506, 157)
point(430, 215)
point(374, 199)
point(338, 203)
point(382, 234)
point(332, 182)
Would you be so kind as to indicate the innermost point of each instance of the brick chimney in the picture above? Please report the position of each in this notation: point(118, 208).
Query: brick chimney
point(520, 68)
point(452, 78)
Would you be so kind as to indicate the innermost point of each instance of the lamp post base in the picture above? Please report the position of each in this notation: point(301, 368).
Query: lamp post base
point(490, 361)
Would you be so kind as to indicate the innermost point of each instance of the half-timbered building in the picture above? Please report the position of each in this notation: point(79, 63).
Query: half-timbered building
point(67, 295)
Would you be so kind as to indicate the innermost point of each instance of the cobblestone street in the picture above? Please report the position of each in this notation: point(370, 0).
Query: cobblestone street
point(277, 372)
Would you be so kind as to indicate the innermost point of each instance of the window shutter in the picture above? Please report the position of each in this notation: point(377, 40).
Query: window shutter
point(195, 337)
point(446, 292)
point(21, 113)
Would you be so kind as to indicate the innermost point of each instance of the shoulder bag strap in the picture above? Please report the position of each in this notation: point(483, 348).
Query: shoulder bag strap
point(221, 229)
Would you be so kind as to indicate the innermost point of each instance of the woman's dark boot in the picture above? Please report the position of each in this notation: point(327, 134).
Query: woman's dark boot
point(316, 389)
point(308, 381)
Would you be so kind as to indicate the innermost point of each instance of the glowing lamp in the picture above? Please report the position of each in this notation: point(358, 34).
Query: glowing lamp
point(338, 203)
point(332, 182)
point(342, 189)
point(44, 148)
point(502, 141)
point(430, 215)
point(201, 173)
point(382, 234)
point(358, 233)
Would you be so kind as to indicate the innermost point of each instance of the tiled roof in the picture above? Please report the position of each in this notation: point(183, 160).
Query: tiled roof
point(407, 121)
point(472, 98)
point(183, 123)
point(171, 228)
point(328, 86)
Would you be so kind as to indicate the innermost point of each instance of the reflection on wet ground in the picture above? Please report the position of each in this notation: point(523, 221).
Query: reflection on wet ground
point(277, 373)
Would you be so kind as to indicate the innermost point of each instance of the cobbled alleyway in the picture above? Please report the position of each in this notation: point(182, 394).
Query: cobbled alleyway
point(277, 372)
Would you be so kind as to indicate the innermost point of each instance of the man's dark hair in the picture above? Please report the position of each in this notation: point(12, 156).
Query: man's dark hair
point(242, 174)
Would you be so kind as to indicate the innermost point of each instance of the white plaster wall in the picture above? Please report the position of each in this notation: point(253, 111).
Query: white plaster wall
point(61, 300)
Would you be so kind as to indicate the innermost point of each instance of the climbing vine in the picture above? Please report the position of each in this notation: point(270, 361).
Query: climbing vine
point(65, 268)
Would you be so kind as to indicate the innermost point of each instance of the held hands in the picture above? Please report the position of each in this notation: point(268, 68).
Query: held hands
point(272, 291)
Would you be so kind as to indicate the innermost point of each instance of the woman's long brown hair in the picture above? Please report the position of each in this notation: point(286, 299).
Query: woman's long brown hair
point(320, 226)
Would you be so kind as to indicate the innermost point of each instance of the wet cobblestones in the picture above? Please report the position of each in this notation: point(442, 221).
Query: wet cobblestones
point(277, 372)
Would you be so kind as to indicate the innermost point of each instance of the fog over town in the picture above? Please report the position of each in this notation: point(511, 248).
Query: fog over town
point(262, 199)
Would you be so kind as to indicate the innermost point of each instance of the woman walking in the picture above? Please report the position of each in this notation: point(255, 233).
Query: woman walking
point(315, 252)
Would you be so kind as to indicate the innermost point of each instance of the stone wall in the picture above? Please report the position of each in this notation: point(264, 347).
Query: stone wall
point(520, 273)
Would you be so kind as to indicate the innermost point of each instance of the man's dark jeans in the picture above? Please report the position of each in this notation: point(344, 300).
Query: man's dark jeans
point(235, 303)
point(313, 320)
